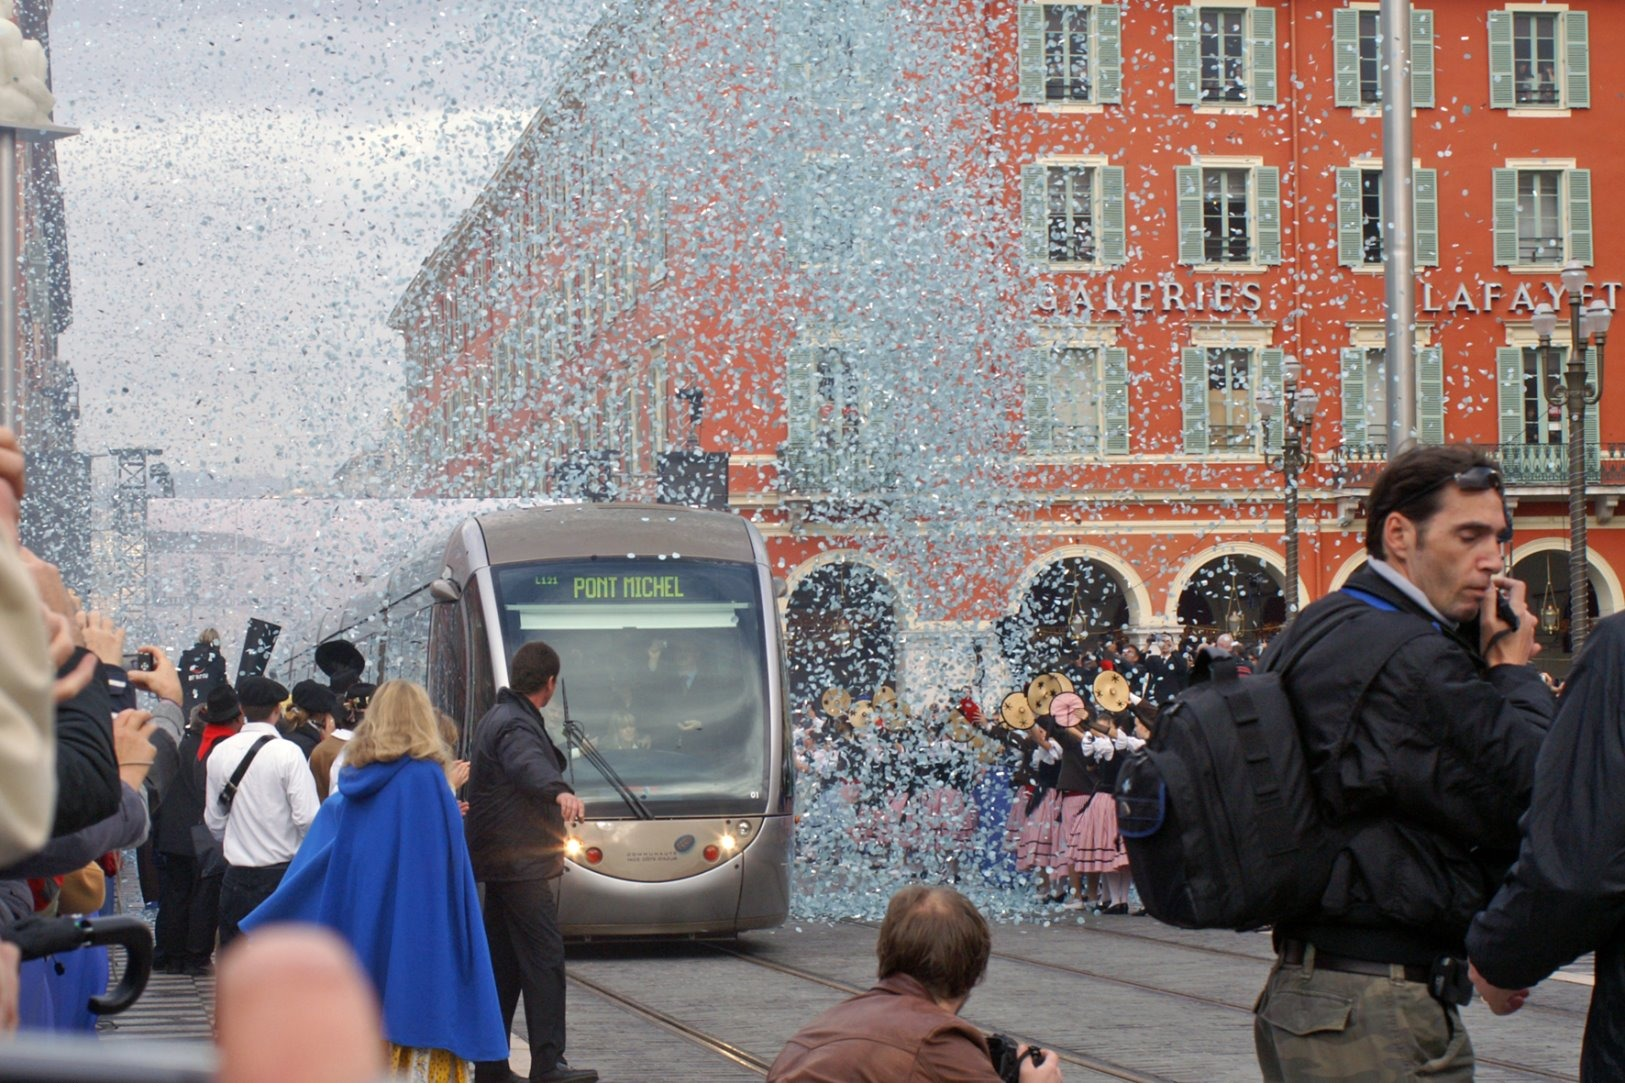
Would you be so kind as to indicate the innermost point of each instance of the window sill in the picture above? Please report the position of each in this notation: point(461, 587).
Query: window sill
point(1077, 266)
point(1069, 459)
point(1231, 269)
point(1534, 269)
point(1380, 269)
point(1538, 111)
point(1071, 107)
point(1374, 113)
point(1240, 110)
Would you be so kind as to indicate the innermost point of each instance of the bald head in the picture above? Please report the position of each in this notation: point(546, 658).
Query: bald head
point(292, 1005)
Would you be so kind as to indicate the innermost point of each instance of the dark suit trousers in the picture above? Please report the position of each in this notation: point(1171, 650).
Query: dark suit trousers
point(527, 956)
point(241, 890)
point(188, 912)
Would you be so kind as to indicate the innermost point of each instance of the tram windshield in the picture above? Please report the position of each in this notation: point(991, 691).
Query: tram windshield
point(663, 667)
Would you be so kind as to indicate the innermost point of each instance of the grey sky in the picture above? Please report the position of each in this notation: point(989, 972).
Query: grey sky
point(254, 187)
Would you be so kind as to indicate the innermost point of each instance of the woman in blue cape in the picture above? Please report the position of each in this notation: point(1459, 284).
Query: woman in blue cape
point(385, 865)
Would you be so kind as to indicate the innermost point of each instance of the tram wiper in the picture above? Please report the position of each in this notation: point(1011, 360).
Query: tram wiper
point(574, 733)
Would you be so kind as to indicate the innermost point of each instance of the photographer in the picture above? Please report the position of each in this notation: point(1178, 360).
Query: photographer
point(933, 951)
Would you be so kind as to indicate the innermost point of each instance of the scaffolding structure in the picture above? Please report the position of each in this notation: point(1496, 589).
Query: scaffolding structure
point(134, 470)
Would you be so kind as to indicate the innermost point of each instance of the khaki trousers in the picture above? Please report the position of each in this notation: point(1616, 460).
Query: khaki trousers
point(1324, 1025)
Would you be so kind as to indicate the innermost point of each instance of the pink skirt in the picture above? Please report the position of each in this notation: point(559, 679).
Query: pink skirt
point(1092, 842)
point(942, 814)
point(1040, 843)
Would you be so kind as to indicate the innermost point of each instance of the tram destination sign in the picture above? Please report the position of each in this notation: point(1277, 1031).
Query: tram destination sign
point(610, 587)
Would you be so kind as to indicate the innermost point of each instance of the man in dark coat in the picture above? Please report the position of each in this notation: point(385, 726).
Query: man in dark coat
point(1423, 768)
point(202, 669)
point(1566, 894)
point(518, 805)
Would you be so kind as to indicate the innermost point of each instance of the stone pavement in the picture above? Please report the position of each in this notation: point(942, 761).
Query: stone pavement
point(1122, 997)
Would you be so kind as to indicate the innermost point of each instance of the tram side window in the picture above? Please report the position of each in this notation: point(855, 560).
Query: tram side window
point(484, 689)
point(448, 663)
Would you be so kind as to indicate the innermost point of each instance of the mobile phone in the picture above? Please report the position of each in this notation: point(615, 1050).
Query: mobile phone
point(1503, 609)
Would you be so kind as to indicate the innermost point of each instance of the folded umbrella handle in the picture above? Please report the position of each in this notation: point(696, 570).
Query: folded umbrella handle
point(41, 936)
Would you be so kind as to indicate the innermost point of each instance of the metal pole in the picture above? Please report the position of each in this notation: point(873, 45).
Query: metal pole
point(1575, 393)
point(1289, 461)
point(8, 275)
point(1398, 230)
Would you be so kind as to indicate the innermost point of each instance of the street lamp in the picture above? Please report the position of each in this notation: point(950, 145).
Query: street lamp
point(1571, 391)
point(1298, 419)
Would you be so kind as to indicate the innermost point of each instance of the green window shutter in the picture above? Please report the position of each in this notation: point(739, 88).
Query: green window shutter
point(1193, 365)
point(1269, 380)
point(1576, 60)
point(1113, 215)
point(1030, 52)
point(1506, 216)
point(1267, 234)
point(1430, 395)
point(1502, 94)
point(1509, 391)
point(1354, 429)
point(1422, 82)
point(1346, 55)
point(1035, 215)
point(1261, 36)
point(1580, 216)
point(1593, 431)
point(1187, 59)
point(1350, 236)
point(798, 212)
point(1108, 58)
point(1425, 194)
point(1188, 182)
point(1036, 409)
point(800, 398)
point(1114, 402)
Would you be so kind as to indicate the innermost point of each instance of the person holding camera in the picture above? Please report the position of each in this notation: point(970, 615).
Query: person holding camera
point(933, 951)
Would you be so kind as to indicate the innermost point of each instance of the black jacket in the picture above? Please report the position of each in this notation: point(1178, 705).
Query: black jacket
point(183, 804)
point(515, 828)
point(87, 782)
point(202, 669)
point(1566, 894)
point(1425, 772)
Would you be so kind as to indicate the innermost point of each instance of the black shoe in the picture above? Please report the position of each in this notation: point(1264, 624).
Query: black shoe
point(565, 1074)
point(496, 1072)
point(198, 969)
point(1119, 909)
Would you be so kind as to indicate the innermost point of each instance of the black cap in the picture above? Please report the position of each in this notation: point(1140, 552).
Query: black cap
point(315, 699)
point(337, 655)
point(222, 706)
point(259, 691)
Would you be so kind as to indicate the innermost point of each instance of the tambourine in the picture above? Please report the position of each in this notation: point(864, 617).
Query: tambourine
point(960, 730)
point(1112, 692)
point(835, 701)
point(1016, 712)
point(861, 714)
point(1069, 710)
point(1045, 687)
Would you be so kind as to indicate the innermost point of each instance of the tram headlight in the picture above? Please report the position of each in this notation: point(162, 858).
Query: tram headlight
point(727, 843)
point(572, 848)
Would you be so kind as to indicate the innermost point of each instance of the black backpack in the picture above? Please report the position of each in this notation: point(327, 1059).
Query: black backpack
point(1218, 812)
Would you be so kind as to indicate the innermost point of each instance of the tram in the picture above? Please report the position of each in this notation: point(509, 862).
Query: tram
point(670, 705)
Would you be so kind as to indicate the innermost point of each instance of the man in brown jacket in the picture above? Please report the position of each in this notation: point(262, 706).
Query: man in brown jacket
point(933, 950)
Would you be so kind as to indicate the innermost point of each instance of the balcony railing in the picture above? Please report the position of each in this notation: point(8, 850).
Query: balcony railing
point(1523, 465)
point(839, 471)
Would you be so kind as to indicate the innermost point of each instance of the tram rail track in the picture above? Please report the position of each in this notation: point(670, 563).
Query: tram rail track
point(687, 1031)
point(1067, 1056)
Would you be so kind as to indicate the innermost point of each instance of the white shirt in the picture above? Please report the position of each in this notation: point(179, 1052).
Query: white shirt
point(275, 803)
point(338, 760)
point(1404, 585)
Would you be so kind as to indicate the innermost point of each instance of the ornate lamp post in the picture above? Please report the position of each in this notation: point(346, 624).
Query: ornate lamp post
point(1298, 419)
point(1572, 392)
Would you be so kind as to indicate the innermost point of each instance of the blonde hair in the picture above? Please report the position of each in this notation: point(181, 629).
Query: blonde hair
point(400, 724)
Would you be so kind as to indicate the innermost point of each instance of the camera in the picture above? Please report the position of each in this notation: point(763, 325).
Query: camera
point(140, 662)
point(1007, 1056)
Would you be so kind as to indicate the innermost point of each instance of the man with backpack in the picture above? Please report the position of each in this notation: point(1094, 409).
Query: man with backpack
point(1420, 721)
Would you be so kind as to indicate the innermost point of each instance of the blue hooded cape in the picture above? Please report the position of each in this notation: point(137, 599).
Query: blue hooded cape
point(386, 866)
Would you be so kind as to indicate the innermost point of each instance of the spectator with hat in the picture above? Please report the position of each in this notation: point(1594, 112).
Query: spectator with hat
point(355, 712)
point(189, 894)
point(310, 718)
point(259, 802)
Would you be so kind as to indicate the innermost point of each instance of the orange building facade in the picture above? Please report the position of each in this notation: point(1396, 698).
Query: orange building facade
point(977, 299)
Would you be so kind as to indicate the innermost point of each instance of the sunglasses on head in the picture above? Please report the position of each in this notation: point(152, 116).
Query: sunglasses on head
point(1480, 477)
